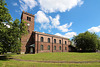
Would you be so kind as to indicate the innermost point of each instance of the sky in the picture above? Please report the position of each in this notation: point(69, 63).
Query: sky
point(65, 18)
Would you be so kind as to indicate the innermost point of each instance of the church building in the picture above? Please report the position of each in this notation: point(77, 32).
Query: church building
point(37, 42)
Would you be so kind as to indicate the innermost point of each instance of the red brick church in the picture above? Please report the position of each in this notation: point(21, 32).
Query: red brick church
point(37, 42)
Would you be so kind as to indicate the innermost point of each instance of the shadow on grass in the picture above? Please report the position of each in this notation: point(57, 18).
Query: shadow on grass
point(4, 58)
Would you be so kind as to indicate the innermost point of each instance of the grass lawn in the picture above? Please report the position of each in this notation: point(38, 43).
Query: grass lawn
point(54, 57)
point(13, 63)
point(63, 56)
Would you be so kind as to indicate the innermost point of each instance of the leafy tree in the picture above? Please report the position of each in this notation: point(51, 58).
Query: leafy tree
point(4, 13)
point(10, 37)
point(15, 32)
point(98, 46)
point(86, 41)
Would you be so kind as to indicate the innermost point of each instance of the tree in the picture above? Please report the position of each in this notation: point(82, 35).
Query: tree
point(98, 46)
point(10, 37)
point(86, 41)
point(4, 13)
point(15, 32)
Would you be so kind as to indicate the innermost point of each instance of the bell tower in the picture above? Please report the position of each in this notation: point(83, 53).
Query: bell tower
point(26, 39)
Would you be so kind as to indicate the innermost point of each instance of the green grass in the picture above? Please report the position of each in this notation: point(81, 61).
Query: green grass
point(53, 57)
point(61, 56)
point(13, 63)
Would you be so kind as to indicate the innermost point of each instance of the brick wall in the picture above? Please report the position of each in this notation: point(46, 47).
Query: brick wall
point(34, 37)
point(45, 43)
point(27, 39)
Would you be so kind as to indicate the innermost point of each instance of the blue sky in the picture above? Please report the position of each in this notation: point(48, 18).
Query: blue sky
point(60, 17)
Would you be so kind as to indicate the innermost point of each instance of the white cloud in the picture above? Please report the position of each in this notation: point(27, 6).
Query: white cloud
point(27, 3)
point(56, 24)
point(58, 5)
point(58, 34)
point(67, 35)
point(55, 21)
point(15, 4)
point(41, 17)
point(64, 28)
point(94, 29)
point(70, 34)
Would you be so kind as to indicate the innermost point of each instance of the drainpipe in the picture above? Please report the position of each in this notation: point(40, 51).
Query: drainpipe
point(52, 44)
point(62, 44)
point(37, 42)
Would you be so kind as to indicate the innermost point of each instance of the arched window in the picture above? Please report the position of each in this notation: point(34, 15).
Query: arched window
point(65, 48)
point(54, 40)
point(60, 48)
point(65, 42)
point(41, 47)
point(54, 47)
point(48, 40)
point(48, 47)
point(59, 41)
point(41, 39)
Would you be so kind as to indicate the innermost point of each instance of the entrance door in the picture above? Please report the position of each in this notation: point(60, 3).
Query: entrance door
point(32, 50)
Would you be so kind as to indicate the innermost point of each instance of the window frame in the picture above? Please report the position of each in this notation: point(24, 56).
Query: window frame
point(65, 48)
point(54, 47)
point(59, 47)
point(54, 40)
point(28, 18)
point(48, 47)
point(42, 39)
point(59, 41)
point(41, 47)
point(65, 42)
point(48, 40)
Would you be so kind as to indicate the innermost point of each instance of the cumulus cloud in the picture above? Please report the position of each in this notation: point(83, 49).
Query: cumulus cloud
point(58, 34)
point(27, 3)
point(55, 21)
point(15, 4)
point(70, 34)
point(41, 17)
point(58, 5)
point(49, 22)
point(94, 29)
point(67, 35)
point(56, 24)
point(64, 28)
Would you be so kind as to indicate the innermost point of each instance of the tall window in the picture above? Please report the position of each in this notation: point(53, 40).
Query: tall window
point(28, 18)
point(59, 41)
point(54, 47)
point(54, 40)
point(41, 39)
point(60, 48)
point(41, 47)
point(65, 48)
point(48, 40)
point(65, 42)
point(48, 47)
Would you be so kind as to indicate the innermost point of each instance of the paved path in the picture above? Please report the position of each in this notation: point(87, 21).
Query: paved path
point(58, 61)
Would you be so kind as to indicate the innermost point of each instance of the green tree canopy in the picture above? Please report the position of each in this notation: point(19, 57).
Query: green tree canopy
point(86, 41)
point(10, 37)
point(4, 13)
